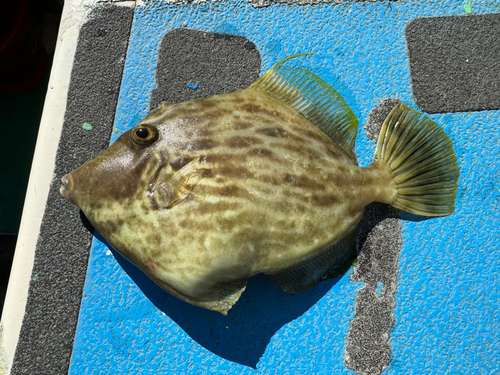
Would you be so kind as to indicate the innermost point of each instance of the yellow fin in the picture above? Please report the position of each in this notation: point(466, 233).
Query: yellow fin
point(170, 189)
point(423, 163)
point(315, 99)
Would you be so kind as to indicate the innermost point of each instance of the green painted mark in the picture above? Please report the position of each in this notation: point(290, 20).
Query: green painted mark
point(116, 130)
point(87, 126)
point(468, 6)
point(35, 278)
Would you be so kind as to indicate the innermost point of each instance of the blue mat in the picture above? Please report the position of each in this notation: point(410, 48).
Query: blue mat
point(447, 313)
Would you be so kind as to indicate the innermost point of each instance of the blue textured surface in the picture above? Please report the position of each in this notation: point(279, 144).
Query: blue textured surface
point(447, 314)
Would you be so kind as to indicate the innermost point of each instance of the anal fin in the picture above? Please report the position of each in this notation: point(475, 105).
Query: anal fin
point(330, 264)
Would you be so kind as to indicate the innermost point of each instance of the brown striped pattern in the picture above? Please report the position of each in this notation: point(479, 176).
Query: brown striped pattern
point(272, 191)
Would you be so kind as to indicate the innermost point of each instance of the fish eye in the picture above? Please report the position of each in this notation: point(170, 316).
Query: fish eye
point(144, 135)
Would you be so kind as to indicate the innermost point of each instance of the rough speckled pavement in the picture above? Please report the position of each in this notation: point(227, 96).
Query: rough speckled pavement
point(379, 243)
point(47, 334)
point(454, 62)
point(211, 63)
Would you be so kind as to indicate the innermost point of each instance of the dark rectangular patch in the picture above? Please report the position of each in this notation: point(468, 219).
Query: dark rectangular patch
point(455, 62)
point(194, 64)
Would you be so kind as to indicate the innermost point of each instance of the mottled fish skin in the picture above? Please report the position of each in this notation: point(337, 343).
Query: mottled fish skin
point(271, 191)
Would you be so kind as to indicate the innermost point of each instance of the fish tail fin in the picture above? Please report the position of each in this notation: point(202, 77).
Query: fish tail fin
point(422, 161)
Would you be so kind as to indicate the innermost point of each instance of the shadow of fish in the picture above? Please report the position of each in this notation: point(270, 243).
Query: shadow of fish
point(202, 195)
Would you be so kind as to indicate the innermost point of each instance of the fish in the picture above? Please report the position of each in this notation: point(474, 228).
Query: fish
point(204, 194)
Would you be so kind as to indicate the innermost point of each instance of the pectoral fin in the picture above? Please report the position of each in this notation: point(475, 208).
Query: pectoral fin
point(173, 187)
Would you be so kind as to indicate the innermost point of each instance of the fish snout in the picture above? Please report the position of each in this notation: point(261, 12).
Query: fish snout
point(67, 187)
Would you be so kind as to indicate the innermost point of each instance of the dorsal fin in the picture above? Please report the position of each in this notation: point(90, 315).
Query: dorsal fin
point(315, 99)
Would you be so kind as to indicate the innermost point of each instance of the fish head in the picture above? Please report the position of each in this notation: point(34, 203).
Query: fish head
point(122, 173)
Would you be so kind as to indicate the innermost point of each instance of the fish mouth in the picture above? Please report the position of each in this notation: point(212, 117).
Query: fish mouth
point(65, 189)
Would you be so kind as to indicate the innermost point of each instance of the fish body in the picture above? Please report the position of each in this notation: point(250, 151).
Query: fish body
point(201, 195)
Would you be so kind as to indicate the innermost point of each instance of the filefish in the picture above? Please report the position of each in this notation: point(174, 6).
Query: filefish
point(204, 194)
